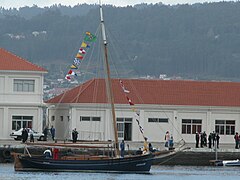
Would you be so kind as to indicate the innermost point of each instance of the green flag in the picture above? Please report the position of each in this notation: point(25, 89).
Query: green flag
point(90, 37)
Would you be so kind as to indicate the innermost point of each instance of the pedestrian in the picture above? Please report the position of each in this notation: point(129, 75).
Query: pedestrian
point(45, 132)
point(197, 139)
point(201, 140)
point(204, 139)
point(217, 140)
point(167, 138)
point(122, 148)
point(171, 143)
point(24, 135)
point(52, 130)
point(210, 140)
point(31, 135)
point(74, 135)
point(213, 138)
point(236, 137)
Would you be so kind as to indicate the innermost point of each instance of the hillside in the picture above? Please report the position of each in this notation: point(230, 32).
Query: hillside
point(200, 41)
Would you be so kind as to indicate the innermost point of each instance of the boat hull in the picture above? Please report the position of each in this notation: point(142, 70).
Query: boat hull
point(136, 164)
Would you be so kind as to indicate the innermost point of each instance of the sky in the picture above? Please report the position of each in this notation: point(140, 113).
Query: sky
point(43, 3)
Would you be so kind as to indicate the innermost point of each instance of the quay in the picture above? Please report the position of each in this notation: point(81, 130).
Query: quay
point(188, 155)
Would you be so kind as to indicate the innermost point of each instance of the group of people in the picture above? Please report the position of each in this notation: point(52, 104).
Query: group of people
point(25, 132)
point(52, 131)
point(29, 132)
point(213, 139)
point(147, 147)
point(48, 153)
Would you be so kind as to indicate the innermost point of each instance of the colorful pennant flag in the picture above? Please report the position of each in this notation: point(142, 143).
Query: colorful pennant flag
point(130, 101)
point(82, 51)
point(70, 72)
point(76, 61)
point(85, 45)
point(79, 56)
point(73, 66)
point(137, 115)
point(67, 77)
point(124, 89)
point(90, 37)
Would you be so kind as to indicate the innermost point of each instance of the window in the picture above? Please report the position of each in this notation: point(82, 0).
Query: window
point(61, 118)
point(191, 126)
point(19, 122)
point(23, 85)
point(96, 119)
point(225, 127)
point(158, 120)
point(53, 118)
point(87, 118)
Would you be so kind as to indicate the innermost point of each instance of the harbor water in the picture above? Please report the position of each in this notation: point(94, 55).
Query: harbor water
point(157, 172)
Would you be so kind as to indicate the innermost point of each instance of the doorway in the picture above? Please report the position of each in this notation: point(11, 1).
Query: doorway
point(124, 128)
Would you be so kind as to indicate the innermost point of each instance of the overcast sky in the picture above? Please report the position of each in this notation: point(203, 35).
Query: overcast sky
point(42, 3)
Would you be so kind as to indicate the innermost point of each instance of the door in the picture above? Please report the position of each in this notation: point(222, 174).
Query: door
point(127, 131)
point(124, 128)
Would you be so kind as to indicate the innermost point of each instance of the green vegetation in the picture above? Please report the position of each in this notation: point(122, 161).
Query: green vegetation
point(193, 41)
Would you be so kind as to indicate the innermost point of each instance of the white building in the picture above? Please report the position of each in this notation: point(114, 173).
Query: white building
point(21, 94)
point(181, 107)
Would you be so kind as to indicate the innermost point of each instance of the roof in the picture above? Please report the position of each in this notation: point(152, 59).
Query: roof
point(163, 92)
point(9, 61)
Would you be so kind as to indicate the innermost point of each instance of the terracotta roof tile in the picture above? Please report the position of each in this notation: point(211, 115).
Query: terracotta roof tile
point(9, 61)
point(170, 92)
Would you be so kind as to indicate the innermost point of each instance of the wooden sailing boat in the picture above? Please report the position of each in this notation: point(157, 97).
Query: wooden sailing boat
point(135, 163)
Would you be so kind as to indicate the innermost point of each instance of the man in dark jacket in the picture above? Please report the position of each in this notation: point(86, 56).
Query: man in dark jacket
point(24, 135)
point(210, 140)
point(45, 132)
point(197, 139)
point(236, 137)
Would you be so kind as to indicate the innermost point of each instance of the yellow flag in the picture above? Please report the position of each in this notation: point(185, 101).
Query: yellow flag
point(84, 44)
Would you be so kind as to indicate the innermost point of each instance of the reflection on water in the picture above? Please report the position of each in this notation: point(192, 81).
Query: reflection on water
point(157, 172)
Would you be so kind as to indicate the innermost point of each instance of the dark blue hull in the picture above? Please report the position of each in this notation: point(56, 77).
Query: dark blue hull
point(136, 164)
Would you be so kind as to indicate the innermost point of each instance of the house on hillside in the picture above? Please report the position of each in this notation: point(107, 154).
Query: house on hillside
point(21, 94)
point(180, 107)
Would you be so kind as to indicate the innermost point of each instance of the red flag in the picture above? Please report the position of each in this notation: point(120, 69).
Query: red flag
point(130, 102)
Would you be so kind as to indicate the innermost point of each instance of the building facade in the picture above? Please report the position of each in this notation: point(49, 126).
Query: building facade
point(21, 94)
point(180, 107)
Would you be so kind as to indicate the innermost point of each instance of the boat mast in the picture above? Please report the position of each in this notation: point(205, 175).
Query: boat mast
point(108, 82)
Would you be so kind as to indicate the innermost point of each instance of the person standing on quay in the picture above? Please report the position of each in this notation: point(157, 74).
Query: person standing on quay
point(217, 140)
point(197, 139)
point(74, 135)
point(52, 130)
point(210, 140)
point(24, 135)
point(45, 132)
point(213, 138)
point(236, 137)
point(167, 138)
